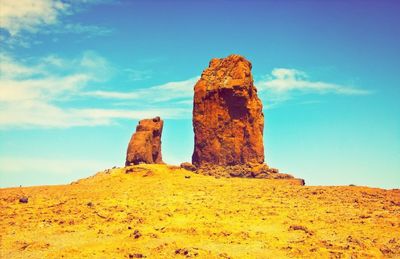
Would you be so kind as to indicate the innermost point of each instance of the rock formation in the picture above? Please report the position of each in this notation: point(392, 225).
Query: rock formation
point(145, 144)
point(228, 120)
point(228, 123)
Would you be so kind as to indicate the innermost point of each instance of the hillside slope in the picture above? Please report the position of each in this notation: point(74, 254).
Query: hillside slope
point(162, 212)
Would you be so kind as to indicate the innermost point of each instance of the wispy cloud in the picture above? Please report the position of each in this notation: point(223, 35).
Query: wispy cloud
point(283, 80)
point(37, 94)
point(46, 115)
point(29, 15)
point(155, 94)
point(20, 19)
point(113, 95)
point(284, 85)
point(49, 77)
point(43, 93)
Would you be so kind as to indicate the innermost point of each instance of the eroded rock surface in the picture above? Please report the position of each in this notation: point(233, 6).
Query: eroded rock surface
point(228, 123)
point(145, 144)
point(228, 120)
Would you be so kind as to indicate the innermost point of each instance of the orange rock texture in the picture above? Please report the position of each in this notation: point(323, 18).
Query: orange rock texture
point(145, 144)
point(228, 120)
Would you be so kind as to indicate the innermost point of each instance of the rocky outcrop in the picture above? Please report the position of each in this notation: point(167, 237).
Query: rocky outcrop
point(259, 171)
point(145, 144)
point(228, 120)
point(228, 123)
point(188, 166)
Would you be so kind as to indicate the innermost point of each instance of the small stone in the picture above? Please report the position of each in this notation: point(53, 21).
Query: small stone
point(23, 200)
point(274, 170)
point(136, 234)
point(182, 251)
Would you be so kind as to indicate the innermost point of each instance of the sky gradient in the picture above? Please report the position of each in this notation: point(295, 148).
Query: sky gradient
point(76, 76)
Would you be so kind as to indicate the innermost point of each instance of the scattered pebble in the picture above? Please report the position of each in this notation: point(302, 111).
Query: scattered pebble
point(136, 234)
point(23, 200)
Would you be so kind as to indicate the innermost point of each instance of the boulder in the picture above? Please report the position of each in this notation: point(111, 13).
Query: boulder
point(228, 120)
point(145, 143)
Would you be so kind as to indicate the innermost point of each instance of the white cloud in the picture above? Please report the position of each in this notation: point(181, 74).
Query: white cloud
point(160, 93)
point(46, 80)
point(284, 80)
point(43, 88)
point(29, 15)
point(23, 18)
point(11, 69)
point(113, 95)
point(45, 115)
point(37, 94)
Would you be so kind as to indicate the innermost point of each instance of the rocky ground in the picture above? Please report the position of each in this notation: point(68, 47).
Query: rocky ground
point(157, 211)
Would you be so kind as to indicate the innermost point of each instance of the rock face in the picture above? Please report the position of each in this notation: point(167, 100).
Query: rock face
point(228, 120)
point(145, 144)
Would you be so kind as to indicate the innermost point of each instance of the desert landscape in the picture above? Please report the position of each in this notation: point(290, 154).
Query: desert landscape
point(227, 203)
point(199, 129)
point(160, 211)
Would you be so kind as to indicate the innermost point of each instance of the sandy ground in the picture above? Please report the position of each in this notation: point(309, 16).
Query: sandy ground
point(161, 212)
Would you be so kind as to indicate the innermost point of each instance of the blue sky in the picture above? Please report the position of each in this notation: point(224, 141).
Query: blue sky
point(77, 75)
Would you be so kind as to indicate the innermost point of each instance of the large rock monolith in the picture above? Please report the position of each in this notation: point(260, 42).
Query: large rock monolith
point(228, 120)
point(228, 123)
point(145, 144)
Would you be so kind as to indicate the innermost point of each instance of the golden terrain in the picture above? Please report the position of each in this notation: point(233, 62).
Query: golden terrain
point(159, 211)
